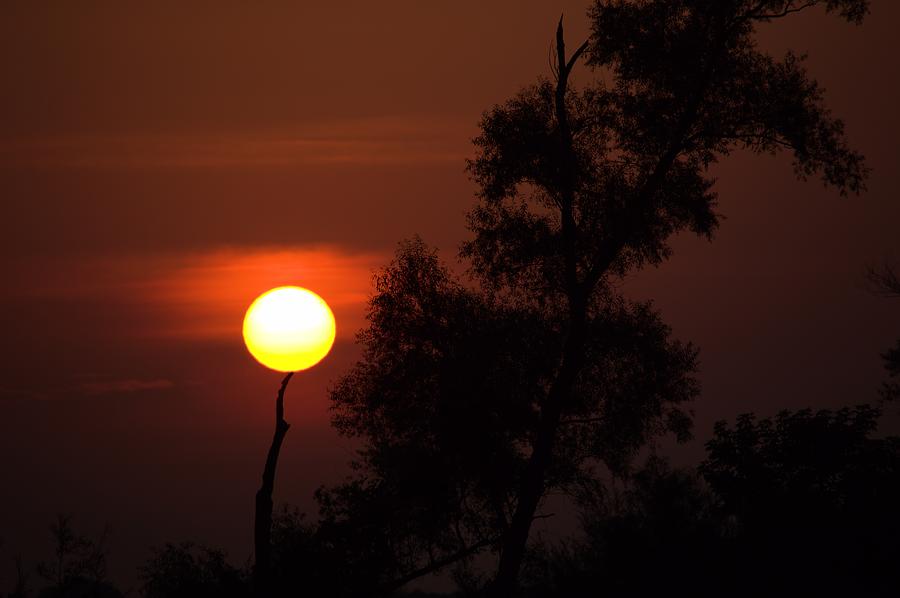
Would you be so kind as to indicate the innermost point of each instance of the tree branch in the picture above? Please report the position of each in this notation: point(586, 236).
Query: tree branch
point(396, 584)
point(789, 8)
point(577, 55)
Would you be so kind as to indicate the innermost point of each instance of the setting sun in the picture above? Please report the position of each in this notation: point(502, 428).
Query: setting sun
point(289, 329)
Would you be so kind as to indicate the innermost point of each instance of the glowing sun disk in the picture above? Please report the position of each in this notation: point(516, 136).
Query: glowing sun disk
point(289, 329)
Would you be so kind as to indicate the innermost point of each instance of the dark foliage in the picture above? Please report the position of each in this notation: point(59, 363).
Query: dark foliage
point(800, 505)
point(609, 172)
point(814, 498)
point(446, 397)
point(579, 187)
point(659, 535)
point(326, 558)
point(189, 571)
point(78, 569)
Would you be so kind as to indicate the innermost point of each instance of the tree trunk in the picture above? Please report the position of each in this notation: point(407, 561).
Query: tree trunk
point(532, 489)
point(262, 527)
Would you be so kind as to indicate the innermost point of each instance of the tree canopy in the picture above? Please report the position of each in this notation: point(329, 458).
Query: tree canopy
point(476, 398)
point(448, 393)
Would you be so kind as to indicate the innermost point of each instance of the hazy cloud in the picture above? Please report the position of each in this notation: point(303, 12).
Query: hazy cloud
point(125, 386)
point(371, 141)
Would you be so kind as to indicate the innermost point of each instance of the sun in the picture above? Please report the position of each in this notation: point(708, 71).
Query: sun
point(289, 329)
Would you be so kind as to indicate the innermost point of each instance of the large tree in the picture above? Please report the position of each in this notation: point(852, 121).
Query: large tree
point(474, 402)
point(448, 398)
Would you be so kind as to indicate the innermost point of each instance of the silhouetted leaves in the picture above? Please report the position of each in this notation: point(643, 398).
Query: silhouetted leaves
point(187, 570)
point(446, 396)
point(803, 504)
point(812, 496)
point(658, 536)
point(78, 569)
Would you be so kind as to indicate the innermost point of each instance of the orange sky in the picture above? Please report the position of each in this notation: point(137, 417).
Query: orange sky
point(162, 164)
point(202, 295)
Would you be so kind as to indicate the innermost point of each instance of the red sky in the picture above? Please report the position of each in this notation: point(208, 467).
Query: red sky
point(162, 164)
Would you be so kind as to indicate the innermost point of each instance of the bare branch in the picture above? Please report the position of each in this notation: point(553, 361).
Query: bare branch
point(574, 58)
point(262, 527)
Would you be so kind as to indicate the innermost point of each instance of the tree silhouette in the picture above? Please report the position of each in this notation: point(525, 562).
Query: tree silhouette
point(474, 404)
point(78, 569)
point(803, 504)
point(189, 571)
point(445, 398)
point(812, 497)
point(652, 537)
point(577, 188)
